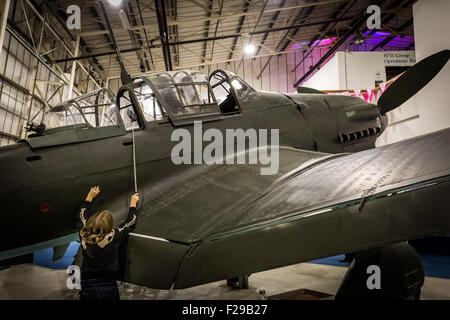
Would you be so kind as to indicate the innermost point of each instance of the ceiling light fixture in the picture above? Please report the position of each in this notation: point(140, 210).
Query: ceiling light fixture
point(115, 3)
point(249, 49)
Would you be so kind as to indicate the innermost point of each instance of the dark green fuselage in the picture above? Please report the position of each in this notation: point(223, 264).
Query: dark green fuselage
point(45, 178)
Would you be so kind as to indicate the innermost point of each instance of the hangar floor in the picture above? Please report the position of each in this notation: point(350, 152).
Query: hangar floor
point(28, 281)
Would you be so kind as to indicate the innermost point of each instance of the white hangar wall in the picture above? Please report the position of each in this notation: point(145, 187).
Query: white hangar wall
point(349, 70)
point(431, 24)
point(330, 76)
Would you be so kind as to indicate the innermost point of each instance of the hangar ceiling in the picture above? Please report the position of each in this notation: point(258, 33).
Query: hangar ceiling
point(196, 33)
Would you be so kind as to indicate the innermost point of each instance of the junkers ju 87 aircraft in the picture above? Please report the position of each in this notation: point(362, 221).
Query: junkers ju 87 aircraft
point(334, 191)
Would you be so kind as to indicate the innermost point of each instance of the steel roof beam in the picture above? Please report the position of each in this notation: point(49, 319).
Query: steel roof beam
point(215, 34)
point(213, 17)
point(207, 26)
point(390, 38)
point(149, 42)
point(57, 36)
point(239, 28)
point(303, 12)
point(61, 17)
point(124, 76)
point(97, 18)
point(207, 39)
point(401, 4)
point(216, 17)
point(356, 24)
point(236, 35)
point(163, 32)
point(340, 11)
point(4, 6)
point(19, 39)
point(272, 22)
point(135, 38)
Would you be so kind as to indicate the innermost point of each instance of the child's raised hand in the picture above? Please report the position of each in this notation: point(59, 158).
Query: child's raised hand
point(93, 193)
point(134, 200)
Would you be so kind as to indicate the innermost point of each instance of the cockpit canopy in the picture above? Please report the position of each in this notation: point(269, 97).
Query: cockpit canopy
point(178, 95)
point(87, 117)
point(185, 92)
point(229, 90)
point(181, 96)
point(95, 109)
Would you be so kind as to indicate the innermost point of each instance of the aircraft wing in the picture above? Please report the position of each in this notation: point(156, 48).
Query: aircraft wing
point(229, 220)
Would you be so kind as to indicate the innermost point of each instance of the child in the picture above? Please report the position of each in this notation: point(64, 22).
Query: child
point(100, 243)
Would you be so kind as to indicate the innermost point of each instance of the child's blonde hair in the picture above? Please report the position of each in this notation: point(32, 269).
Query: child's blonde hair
point(97, 227)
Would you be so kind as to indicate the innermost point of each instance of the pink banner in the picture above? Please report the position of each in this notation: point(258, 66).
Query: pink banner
point(369, 94)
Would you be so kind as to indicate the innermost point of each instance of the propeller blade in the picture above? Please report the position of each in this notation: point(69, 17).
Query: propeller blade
point(412, 81)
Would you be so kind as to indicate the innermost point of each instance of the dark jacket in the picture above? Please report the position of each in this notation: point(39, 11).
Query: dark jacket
point(101, 260)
